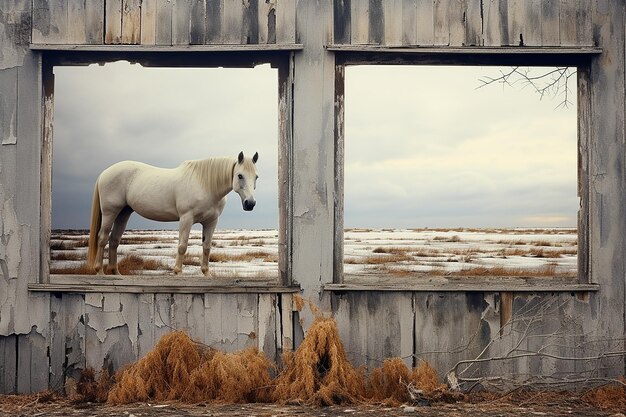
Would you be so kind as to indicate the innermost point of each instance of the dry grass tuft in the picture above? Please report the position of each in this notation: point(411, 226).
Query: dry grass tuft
point(610, 397)
point(319, 372)
point(389, 383)
point(180, 369)
point(240, 377)
point(81, 269)
point(88, 389)
point(135, 263)
point(243, 257)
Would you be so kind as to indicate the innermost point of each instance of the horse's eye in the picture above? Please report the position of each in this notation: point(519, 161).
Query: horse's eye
point(240, 176)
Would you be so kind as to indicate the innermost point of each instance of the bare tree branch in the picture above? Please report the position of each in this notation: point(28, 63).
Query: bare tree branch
point(553, 82)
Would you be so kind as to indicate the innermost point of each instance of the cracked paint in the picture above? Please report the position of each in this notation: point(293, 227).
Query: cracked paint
point(104, 321)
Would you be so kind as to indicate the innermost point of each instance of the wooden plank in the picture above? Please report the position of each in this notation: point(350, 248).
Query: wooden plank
point(441, 21)
point(167, 48)
point(550, 10)
point(162, 315)
point(286, 319)
point(163, 28)
point(583, 189)
point(113, 21)
point(50, 23)
point(484, 285)
point(342, 10)
point(266, 334)
point(8, 106)
point(247, 320)
point(180, 311)
point(474, 23)
point(409, 22)
point(129, 308)
point(214, 17)
point(230, 320)
point(457, 18)
point(568, 24)
point(148, 22)
point(8, 364)
point(524, 22)
point(232, 22)
point(393, 22)
point(583, 19)
point(213, 320)
point(491, 23)
point(195, 318)
point(76, 15)
point(197, 23)
point(468, 50)
point(376, 22)
point(424, 20)
point(32, 358)
point(251, 21)
point(181, 23)
point(359, 22)
point(94, 21)
point(131, 22)
point(145, 323)
point(286, 21)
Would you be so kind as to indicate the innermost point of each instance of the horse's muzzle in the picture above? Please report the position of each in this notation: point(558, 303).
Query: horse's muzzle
point(248, 205)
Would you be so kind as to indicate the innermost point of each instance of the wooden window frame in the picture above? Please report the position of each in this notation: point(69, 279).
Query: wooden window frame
point(581, 58)
point(205, 56)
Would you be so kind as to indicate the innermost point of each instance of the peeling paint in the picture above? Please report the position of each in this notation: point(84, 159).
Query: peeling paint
point(101, 322)
point(10, 240)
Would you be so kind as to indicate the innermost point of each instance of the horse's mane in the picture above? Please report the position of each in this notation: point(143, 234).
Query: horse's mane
point(215, 174)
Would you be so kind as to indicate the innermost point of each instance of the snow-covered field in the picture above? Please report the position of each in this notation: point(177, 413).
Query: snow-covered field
point(394, 252)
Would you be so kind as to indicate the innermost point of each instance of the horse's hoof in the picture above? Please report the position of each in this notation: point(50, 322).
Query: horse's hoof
point(115, 272)
point(177, 271)
point(207, 274)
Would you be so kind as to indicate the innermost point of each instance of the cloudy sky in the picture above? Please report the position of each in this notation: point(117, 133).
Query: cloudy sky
point(424, 146)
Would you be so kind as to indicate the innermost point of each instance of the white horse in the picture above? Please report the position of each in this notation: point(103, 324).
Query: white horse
point(194, 192)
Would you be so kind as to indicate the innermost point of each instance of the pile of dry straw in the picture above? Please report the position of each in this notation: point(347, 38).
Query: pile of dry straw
point(317, 373)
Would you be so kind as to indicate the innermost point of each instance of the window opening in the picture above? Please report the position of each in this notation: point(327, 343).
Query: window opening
point(164, 116)
point(446, 179)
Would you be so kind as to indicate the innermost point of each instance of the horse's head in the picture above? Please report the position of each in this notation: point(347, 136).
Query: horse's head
point(244, 180)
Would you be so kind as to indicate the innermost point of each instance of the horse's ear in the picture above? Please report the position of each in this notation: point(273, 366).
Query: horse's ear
point(240, 158)
point(255, 157)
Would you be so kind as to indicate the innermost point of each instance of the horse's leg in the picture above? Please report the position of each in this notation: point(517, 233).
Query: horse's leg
point(185, 223)
point(103, 237)
point(116, 236)
point(207, 235)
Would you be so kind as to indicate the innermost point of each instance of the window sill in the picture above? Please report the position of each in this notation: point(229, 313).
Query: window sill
point(461, 284)
point(161, 284)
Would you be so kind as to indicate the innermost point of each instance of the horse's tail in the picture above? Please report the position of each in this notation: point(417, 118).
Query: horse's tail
point(94, 229)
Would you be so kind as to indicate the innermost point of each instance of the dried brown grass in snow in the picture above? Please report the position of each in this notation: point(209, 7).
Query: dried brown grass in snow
point(88, 389)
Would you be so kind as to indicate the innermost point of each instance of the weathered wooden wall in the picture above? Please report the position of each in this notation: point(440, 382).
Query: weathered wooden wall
point(63, 331)
point(463, 22)
point(163, 22)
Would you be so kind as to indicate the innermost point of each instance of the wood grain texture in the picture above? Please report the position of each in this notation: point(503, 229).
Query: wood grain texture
point(163, 28)
point(197, 23)
point(94, 21)
point(424, 22)
point(392, 12)
point(77, 18)
point(550, 25)
point(286, 21)
point(376, 22)
point(441, 22)
point(131, 22)
point(113, 22)
point(50, 24)
point(359, 22)
point(491, 23)
point(473, 23)
point(181, 22)
point(148, 22)
point(232, 22)
point(342, 29)
point(214, 24)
